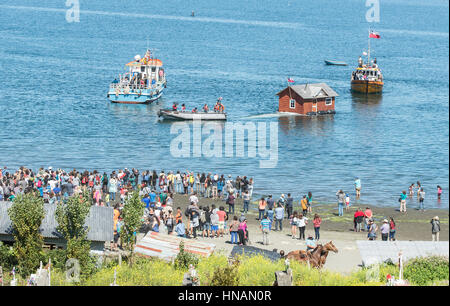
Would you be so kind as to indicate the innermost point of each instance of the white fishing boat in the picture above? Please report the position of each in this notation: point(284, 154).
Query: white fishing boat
point(180, 115)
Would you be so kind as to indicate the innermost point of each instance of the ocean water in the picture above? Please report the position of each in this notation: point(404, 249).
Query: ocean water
point(54, 77)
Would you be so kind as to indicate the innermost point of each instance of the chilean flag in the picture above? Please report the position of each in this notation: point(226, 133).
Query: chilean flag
point(374, 35)
point(290, 80)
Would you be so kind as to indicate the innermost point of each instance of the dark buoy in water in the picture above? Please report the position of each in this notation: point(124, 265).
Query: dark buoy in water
point(192, 14)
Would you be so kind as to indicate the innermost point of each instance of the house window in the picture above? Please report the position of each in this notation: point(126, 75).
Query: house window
point(328, 101)
point(292, 103)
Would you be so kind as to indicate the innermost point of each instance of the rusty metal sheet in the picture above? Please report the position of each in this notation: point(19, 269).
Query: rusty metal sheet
point(167, 247)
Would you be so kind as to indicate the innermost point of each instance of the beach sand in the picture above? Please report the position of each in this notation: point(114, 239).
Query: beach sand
point(413, 226)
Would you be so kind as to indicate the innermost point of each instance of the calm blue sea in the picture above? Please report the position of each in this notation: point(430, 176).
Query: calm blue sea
point(54, 77)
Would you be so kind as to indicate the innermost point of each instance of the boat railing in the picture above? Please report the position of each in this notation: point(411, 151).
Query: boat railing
point(131, 86)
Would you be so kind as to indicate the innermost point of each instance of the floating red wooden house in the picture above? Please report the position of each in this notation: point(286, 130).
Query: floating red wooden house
point(307, 99)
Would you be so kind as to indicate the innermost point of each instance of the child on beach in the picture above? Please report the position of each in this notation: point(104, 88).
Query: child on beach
point(294, 225)
point(317, 222)
point(411, 190)
point(347, 201)
point(304, 203)
point(421, 199)
point(439, 192)
point(309, 198)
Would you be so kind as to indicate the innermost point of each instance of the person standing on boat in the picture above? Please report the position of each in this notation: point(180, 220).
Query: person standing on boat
point(360, 62)
point(183, 107)
point(205, 108)
point(174, 107)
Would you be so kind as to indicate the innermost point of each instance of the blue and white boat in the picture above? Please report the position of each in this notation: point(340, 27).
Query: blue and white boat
point(143, 83)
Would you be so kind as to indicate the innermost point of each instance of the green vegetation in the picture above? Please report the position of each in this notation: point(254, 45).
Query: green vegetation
point(26, 214)
point(132, 213)
point(427, 270)
point(184, 259)
point(71, 217)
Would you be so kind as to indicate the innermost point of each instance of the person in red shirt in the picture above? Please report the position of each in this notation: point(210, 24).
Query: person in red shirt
point(368, 214)
point(358, 219)
point(222, 216)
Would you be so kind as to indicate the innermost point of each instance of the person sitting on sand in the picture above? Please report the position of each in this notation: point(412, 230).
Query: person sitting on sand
point(180, 229)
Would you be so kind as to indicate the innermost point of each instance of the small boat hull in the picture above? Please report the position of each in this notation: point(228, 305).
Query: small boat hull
point(135, 96)
point(367, 87)
point(175, 115)
point(335, 63)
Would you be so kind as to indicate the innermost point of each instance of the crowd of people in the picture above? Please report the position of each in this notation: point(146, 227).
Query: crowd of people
point(157, 192)
point(55, 185)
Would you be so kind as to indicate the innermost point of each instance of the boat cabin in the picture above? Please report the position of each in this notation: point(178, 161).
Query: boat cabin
point(307, 99)
point(367, 73)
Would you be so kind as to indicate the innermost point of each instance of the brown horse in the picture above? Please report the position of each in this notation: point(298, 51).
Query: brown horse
point(324, 253)
point(313, 257)
point(316, 257)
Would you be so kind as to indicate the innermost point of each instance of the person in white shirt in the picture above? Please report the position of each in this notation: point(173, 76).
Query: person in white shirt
point(193, 198)
point(301, 223)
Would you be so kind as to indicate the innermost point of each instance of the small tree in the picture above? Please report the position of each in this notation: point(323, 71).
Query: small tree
point(132, 214)
point(71, 217)
point(26, 214)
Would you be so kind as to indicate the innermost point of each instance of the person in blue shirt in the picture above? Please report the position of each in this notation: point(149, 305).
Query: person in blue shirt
point(152, 196)
point(180, 229)
point(265, 228)
point(146, 201)
point(270, 214)
point(279, 215)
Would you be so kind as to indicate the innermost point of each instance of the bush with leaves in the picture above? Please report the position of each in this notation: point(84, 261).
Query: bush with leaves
point(26, 214)
point(132, 214)
point(71, 217)
point(7, 258)
point(226, 276)
point(426, 270)
point(184, 259)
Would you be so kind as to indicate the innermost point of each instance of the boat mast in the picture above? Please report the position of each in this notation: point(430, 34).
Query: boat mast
point(368, 52)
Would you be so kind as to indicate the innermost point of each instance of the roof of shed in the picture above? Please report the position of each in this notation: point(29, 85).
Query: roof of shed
point(312, 91)
point(100, 222)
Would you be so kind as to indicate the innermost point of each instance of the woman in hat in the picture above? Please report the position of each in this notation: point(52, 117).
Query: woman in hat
point(384, 229)
point(435, 228)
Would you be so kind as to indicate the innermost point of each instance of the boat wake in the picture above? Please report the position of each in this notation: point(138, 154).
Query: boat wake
point(273, 24)
point(273, 115)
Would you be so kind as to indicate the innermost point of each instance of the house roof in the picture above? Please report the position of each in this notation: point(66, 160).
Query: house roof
point(312, 91)
point(100, 222)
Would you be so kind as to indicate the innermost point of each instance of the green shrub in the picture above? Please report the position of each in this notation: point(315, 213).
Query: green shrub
point(184, 259)
point(7, 258)
point(426, 270)
point(26, 214)
point(227, 275)
point(142, 273)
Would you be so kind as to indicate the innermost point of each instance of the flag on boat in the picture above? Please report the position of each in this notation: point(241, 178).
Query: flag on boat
point(290, 80)
point(374, 34)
